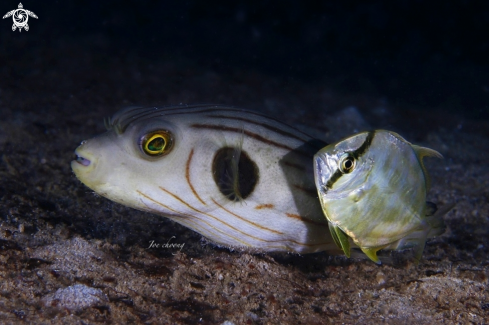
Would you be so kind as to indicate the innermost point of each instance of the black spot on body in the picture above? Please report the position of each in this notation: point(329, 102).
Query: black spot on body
point(235, 173)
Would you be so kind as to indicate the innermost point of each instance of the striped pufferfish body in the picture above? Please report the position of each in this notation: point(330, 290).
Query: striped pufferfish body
point(238, 178)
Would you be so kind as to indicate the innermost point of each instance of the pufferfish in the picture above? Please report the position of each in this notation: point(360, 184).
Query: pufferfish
point(372, 187)
point(238, 178)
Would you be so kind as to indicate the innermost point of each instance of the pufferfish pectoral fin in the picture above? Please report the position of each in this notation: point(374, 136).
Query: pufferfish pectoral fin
point(340, 238)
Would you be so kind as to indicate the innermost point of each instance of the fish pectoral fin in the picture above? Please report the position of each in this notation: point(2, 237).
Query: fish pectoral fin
point(340, 238)
point(371, 253)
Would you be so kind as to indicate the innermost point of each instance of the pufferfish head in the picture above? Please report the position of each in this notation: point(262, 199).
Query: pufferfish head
point(129, 155)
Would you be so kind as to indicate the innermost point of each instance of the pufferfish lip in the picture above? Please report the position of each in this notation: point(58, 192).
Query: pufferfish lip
point(83, 161)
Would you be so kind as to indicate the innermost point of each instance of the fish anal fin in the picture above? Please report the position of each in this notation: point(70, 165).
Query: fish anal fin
point(340, 238)
point(371, 253)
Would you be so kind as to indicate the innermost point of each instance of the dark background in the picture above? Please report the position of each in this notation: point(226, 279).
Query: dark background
point(426, 54)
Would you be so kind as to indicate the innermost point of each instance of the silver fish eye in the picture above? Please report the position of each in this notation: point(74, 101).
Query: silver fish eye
point(347, 163)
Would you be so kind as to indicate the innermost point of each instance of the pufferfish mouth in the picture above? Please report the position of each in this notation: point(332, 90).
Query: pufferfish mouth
point(87, 168)
point(84, 158)
point(83, 161)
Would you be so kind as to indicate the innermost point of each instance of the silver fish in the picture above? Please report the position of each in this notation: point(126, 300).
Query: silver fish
point(372, 187)
point(237, 177)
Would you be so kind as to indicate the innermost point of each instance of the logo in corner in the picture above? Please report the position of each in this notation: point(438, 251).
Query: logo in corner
point(20, 17)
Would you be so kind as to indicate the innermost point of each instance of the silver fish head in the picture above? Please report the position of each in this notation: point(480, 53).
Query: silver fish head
point(342, 166)
point(372, 186)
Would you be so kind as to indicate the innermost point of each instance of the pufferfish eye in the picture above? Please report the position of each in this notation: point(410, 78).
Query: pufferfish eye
point(157, 143)
point(347, 164)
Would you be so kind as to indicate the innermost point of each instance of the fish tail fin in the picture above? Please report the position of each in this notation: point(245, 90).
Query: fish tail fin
point(434, 218)
point(433, 226)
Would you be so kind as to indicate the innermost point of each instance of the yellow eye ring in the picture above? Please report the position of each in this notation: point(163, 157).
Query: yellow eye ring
point(157, 143)
point(347, 164)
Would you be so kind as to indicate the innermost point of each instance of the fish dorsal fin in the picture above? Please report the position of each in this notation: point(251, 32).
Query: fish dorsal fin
point(422, 152)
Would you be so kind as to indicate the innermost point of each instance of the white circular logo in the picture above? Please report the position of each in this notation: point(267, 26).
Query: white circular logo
point(20, 17)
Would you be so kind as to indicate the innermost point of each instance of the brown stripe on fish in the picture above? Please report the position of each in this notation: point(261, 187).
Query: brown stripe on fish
point(188, 215)
point(250, 134)
point(296, 216)
point(264, 125)
point(264, 206)
point(187, 176)
point(240, 130)
point(221, 109)
point(275, 231)
point(247, 221)
point(182, 217)
point(213, 217)
point(124, 118)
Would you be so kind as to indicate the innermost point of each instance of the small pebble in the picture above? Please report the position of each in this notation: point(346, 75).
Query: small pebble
point(380, 277)
point(76, 297)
